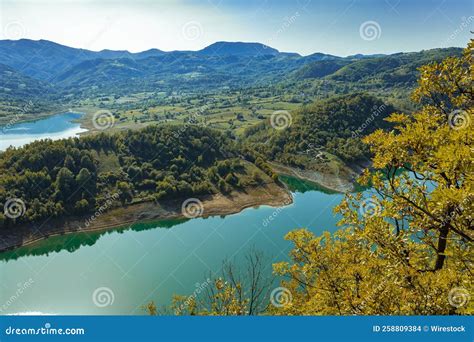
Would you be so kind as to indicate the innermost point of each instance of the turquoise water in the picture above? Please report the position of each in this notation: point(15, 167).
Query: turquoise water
point(55, 127)
point(150, 261)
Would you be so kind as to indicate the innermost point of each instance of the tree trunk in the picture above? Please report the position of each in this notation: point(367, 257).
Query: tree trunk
point(442, 243)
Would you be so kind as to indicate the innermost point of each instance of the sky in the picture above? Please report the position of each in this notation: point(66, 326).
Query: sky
point(339, 27)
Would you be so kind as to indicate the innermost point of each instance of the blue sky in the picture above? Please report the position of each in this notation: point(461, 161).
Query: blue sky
point(340, 27)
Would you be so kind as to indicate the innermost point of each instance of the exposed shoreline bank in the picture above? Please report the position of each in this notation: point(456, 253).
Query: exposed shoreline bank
point(328, 181)
point(212, 205)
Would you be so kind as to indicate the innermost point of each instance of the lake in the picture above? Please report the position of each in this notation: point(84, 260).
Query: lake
point(55, 127)
point(150, 261)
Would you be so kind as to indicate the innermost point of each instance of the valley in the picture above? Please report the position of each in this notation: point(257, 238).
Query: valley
point(146, 172)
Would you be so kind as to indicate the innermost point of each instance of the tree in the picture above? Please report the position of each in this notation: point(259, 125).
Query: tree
point(125, 192)
point(408, 248)
point(81, 206)
point(65, 183)
point(84, 179)
point(233, 292)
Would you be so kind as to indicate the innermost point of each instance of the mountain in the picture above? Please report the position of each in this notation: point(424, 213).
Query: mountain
point(191, 70)
point(238, 49)
point(321, 68)
point(362, 56)
point(46, 60)
point(399, 68)
point(43, 59)
point(15, 85)
point(220, 65)
point(319, 56)
point(111, 54)
point(392, 69)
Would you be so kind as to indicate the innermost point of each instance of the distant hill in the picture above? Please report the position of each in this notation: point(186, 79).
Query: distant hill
point(391, 69)
point(327, 125)
point(320, 68)
point(46, 60)
point(222, 64)
point(362, 56)
point(399, 68)
point(319, 56)
point(43, 59)
point(238, 49)
point(190, 70)
point(15, 85)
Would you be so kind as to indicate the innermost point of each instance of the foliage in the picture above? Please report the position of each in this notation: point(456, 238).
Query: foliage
point(73, 176)
point(406, 249)
point(334, 125)
point(233, 293)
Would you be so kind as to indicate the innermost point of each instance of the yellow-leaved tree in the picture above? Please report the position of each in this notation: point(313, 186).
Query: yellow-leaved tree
point(407, 249)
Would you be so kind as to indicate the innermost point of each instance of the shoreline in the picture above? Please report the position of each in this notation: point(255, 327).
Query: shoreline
point(327, 181)
point(213, 205)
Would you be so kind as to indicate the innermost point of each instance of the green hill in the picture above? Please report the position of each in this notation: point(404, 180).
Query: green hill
point(334, 126)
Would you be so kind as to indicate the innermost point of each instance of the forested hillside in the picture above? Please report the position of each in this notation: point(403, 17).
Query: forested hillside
point(76, 176)
point(334, 125)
